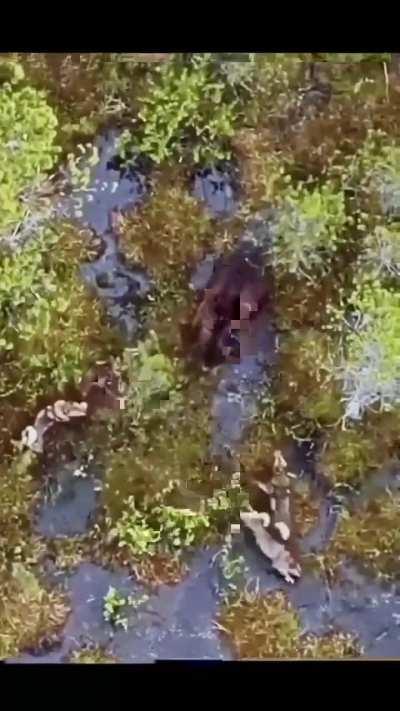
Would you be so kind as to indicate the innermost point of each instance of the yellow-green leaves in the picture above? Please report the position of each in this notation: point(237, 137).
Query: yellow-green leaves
point(28, 127)
point(185, 111)
point(310, 226)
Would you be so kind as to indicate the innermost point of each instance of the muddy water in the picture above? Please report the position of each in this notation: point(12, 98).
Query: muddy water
point(175, 623)
point(110, 186)
point(72, 495)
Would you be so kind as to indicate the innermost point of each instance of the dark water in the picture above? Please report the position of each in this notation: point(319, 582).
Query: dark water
point(217, 188)
point(121, 287)
point(109, 187)
point(70, 501)
point(176, 623)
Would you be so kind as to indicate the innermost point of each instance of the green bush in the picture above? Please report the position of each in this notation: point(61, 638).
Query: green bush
point(28, 128)
point(185, 112)
point(373, 172)
point(153, 381)
point(381, 254)
point(11, 71)
point(309, 227)
point(49, 327)
point(158, 526)
point(371, 369)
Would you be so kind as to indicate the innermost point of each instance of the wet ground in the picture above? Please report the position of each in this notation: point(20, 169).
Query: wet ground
point(177, 621)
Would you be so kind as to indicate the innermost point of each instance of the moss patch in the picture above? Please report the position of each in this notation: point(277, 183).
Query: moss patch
point(267, 627)
point(171, 231)
point(350, 455)
point(28, 613)
point(371, 538)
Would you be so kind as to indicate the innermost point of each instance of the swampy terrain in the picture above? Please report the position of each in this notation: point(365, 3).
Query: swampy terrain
point(200, 357)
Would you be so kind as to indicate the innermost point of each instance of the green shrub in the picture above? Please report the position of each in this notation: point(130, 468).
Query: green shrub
point(11, 71)
point(49, 326)
point(28, 128)
point(309, 227)
point(185, 112)
point(153, 381)
point(158, 527)
point(113, 604)
point(381, 252)
point(371, 371)
point(373, 172)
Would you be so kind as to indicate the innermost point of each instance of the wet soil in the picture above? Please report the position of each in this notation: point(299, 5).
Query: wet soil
point(177, 621)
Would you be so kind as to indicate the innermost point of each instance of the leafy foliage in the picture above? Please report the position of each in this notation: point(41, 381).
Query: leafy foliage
point(48, 325)
point(173, 528)
point(11, 71)
point(28, 129)
point(159, 527)
point(309, 227)
point(370, 370)
point(374, 173)
point(185, 112)
point(381, 252)
point(153, 380)
point(113, 603)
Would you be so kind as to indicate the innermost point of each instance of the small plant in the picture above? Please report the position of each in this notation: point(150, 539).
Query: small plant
point(306, 383)
point(114, 602)
point(374, 174)
point(134, 532)
point(153, 380)
point(28, 149)
point(184, 112)
point(309, 227)
point(349, 455)
point(91, 654)
point(158, 527)
point(239, 71)
point(370, 369)
point(381, 254)
point(232, 569)
point(11, 71)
